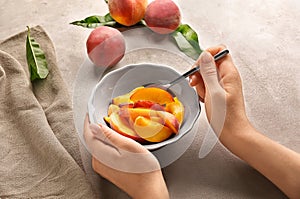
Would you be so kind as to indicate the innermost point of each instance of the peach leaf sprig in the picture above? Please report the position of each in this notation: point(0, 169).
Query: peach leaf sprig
point(36, 59)
point(95, 21)
point(187, 41)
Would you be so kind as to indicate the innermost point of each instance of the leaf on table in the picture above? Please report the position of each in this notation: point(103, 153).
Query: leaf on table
point(36, 59)
point(187, 41)
point(96, 21)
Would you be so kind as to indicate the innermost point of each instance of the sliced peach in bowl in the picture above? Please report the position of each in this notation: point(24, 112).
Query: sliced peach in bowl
point(149, 105)
point(177, 109)
point(133, 113)
point(158, 119)
point(112, 108)
point(125, 99)
point(167, 118)
point(122, 99)
point(107, 120)
point(120, 125)
point(156, 95)
point(150, 130)
point(127, 79)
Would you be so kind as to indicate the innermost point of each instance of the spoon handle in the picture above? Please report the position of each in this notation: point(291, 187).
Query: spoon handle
point(221, 54)
point(217, 57)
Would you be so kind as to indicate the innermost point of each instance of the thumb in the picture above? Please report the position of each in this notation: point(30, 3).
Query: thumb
point(216, 101)
point(119, 153)
point(208, 70)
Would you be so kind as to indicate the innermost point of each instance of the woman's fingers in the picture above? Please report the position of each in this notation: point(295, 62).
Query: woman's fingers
point(197, 82)
point(115, 139)
point(94, 134)
point(116, 151)
point(208, 70)
point(94, 141)
point(225, 66)
point(214, 50)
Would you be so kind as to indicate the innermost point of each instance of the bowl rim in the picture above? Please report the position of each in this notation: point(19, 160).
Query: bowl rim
point(154, 146)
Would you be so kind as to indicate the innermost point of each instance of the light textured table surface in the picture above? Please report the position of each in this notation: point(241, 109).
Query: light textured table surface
point(264, 40)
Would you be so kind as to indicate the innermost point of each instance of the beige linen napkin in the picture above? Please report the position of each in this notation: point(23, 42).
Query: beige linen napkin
point(39, 147)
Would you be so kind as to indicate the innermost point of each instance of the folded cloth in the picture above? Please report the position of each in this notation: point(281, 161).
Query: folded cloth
point(39, 147)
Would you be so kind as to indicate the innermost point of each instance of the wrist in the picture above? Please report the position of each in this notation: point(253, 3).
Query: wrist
point(153, 187)
point(235, 129)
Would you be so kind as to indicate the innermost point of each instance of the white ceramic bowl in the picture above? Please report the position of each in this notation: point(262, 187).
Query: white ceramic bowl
point(125, 79)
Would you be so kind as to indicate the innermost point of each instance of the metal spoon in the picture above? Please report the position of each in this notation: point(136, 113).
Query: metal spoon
point(166, 86)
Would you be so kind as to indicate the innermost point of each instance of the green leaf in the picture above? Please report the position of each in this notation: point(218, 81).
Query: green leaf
point(107, 20)
point(36, 59)
point(187, 41)
point(96, 21)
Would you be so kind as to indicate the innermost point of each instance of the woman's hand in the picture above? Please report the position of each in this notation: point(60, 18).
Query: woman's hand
point(124, 162)
point(219, 86)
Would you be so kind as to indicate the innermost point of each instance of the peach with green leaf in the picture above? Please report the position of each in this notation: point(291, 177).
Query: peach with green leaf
point(127, 12)
point(163, 16)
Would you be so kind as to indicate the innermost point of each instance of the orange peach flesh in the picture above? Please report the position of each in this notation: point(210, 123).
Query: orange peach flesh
point(120, 125)
point(176, 108)
point(150, 130)
point(156, 95)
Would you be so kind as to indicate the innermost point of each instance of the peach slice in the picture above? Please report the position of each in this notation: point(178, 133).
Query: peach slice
point(125, 99)
point(122, 99)
point(120, 125)
point(157, 119)
point(149, 105)
point(156, 95)
point(130, 105)
point(133, 113)
point(168, 119)
point(177, 109)
point(107, 120)
point(112, 108)
point(150, 130)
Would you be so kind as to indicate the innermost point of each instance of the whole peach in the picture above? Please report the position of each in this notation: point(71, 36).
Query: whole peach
point(162, 16)
point(127, 12)
point(105, 46)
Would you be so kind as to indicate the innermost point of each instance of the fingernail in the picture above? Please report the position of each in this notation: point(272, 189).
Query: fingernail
point(206, 57)
point(95, 128)
point(190, 80)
